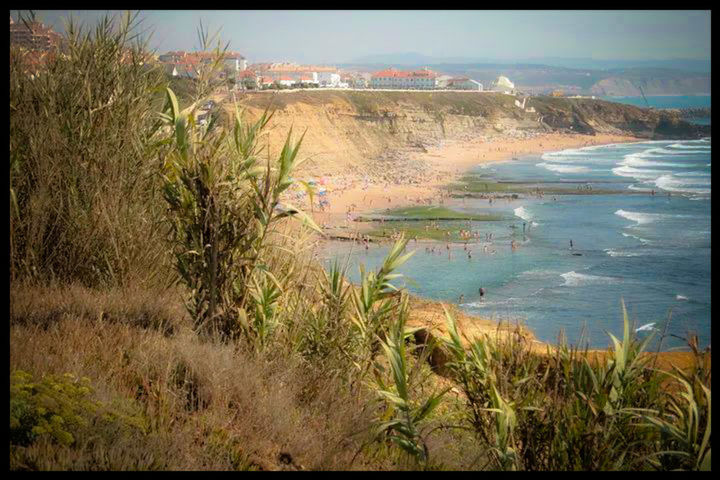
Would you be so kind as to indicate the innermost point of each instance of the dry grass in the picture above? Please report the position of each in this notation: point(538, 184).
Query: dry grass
point(207, 402)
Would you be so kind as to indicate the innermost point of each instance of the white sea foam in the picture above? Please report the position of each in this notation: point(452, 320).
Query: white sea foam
point(640, 239)
point(700, 148)
point(638, 173)
point(563, 168)
point(574, 279)
point(524, 214)
point(539, 273)
point(639, 217)
point(489, 303)
point(639, 189)
point(646, 327)
point(640, 160)
point(678, 184)
point(680, 297)
point(617, 253)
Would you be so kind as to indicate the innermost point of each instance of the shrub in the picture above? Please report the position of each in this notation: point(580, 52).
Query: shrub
point(54, 406)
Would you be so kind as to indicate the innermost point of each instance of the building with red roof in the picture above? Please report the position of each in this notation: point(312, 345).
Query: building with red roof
point(424, 79)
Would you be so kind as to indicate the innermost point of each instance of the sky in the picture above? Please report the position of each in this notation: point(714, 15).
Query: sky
point(326, 36)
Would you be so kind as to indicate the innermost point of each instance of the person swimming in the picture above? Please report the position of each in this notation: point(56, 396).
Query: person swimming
point(571, 244)
point(481, 292)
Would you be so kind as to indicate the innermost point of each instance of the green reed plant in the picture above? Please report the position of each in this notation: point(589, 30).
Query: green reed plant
point(405, 416)
point(559, 411)
point(376, 301)
point(684, 425)
point(685, 429)
point(326, 335)
point(223, 207)
point(84, 200)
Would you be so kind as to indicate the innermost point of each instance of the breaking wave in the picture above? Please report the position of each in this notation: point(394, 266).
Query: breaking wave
point(638, 173)
point(563, 168)
point(616, 253)
point(574, 279)
point(640, 239)
point(639, 217)
point(524, 214)
point(678, 184)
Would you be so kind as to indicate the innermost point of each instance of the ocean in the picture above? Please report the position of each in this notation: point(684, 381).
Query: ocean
point(652, 251)
point(668, 101)
point(664, 101)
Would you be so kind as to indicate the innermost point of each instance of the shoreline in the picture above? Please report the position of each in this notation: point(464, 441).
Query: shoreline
point(449, 162)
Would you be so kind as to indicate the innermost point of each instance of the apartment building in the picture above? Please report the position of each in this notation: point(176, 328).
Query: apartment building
point(424, 79)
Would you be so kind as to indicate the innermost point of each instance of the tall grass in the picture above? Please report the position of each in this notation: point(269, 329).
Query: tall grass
point(83, 184)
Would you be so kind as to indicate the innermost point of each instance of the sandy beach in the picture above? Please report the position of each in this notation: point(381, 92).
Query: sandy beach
point(447, 162)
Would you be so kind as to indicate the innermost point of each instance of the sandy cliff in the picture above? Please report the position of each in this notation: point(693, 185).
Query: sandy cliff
point(362, 132)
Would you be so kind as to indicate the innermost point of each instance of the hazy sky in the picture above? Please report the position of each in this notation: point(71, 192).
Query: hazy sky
point(323, 36)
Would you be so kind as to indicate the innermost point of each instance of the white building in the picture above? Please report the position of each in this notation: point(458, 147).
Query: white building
point(415, 80)
point(286, 81)
point(328, 79)
point(503, 84)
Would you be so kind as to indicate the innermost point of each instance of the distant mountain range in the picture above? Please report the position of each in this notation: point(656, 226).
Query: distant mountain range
point(599, 77)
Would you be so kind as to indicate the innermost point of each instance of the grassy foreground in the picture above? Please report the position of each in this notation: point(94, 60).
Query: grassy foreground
point(166, 313)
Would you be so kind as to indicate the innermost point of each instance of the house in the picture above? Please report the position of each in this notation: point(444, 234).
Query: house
point(308, 80)
point(246, 79)
point(266, 82)
point(424, 79)
point(285, 81)
point(464, 83)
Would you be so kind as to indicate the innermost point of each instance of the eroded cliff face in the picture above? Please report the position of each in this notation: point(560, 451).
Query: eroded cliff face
point(350, 130)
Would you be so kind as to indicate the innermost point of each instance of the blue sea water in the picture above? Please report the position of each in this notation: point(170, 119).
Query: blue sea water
point(668, 101)
point(664, 101)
